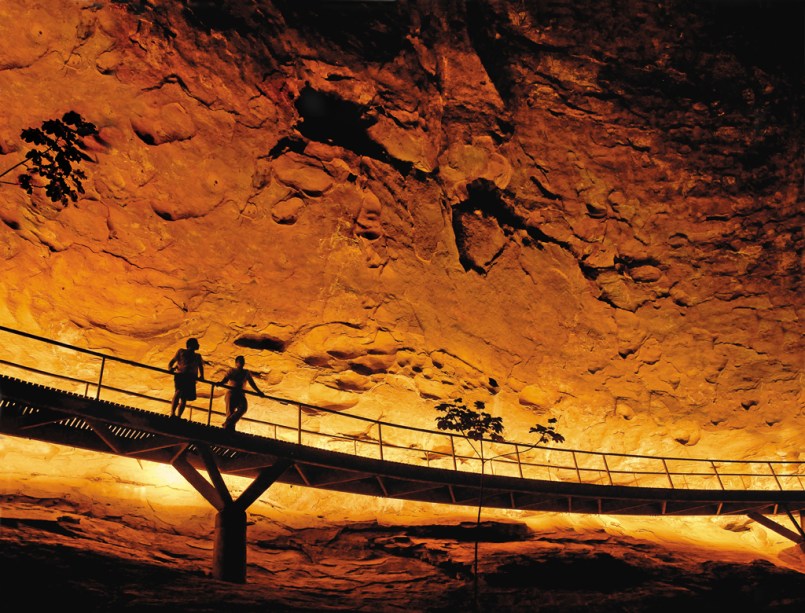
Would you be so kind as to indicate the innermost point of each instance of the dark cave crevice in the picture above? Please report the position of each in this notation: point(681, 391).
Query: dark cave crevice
point(287, 144)
point(329, 119)
point(482, 27)
point(261, 342)
point(485, 196)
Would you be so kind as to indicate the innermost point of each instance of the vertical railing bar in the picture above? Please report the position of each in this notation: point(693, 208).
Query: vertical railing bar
point(380, 438)
point(453, 451)
point(519, 463)
point(774, 474)
point(299, 425)
point(209, 412)
point(668, 473)
point(576, 464)
point(606, 465)
point(715, 470)
point(100, 378)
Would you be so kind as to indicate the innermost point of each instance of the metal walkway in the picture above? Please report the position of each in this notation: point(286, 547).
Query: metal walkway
point(37, 412)
point(309, 446)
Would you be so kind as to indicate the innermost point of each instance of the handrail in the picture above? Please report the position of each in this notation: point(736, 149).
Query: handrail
point(514, 457)
point(97, 354)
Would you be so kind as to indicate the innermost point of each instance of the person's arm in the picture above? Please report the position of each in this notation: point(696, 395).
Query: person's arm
point(172, 363)
point(250, 379)
point(201, 368)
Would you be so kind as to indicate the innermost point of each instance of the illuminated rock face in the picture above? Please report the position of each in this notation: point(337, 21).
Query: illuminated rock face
point(415, 203)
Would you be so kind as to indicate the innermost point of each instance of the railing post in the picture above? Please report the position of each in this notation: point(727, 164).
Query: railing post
point(667, 473)
point(715, 470)
point(209, 411)
point(299, 425)
point(380, 438)
point(100, 378)
point(606, 465)
point(771, 468)
point(576, 464)
point(453, 451)
point(519, 463)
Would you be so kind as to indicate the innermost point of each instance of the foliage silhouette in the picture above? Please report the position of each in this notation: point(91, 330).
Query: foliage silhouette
point(547, 434)
point(474, 424)
point(478, 425)
point(53, 160)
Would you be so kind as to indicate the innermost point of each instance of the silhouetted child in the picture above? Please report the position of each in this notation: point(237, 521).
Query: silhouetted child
point(236, 403)
point(187, 366)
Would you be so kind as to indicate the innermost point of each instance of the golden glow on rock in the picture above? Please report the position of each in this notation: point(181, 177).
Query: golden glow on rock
point(551, 254)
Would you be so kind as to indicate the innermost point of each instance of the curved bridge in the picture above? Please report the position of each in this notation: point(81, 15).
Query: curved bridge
point(95, 407)
point(37, 412)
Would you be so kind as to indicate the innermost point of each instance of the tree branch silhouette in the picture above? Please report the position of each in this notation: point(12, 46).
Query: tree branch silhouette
point(52, 163)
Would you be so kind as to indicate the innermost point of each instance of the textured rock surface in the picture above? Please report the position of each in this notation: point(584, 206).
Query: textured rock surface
point(602, 226)
point(587, 213)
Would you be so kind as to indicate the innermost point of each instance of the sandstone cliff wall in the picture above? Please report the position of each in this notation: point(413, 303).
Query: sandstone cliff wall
point(591, 211)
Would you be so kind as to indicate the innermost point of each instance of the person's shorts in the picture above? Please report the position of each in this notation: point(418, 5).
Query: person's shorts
point(237, 399)
point(185, 385)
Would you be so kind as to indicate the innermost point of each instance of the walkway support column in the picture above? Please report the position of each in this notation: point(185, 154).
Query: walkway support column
point(229, 551)
point(229, 554)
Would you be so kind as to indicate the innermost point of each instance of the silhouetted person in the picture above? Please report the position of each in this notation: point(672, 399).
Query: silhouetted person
point(236, 403)
point(188, 367)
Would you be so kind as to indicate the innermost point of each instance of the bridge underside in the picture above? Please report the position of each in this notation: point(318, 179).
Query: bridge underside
point(35, 412)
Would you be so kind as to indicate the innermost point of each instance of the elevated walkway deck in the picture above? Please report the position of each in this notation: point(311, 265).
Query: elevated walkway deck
point(37, 412)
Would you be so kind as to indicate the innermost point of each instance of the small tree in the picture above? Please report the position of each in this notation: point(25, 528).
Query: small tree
point(547, 434)
point(52, 162)
point(476, 425)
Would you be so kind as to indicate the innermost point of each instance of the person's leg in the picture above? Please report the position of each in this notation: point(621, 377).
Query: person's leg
point(237, 412)
point(244, 404)
point(174, 403)
point(228, 398)
point(182, 403)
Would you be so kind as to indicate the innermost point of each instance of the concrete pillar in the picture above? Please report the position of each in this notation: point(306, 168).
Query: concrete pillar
point(229, 554)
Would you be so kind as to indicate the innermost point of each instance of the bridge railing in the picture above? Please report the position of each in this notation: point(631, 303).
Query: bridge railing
point(109, 378)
